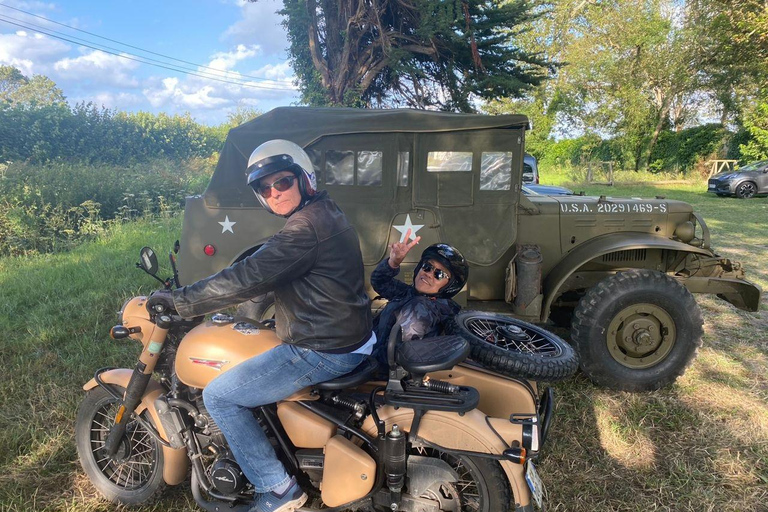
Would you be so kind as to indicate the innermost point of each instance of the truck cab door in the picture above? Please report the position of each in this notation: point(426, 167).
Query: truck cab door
point(471, 179)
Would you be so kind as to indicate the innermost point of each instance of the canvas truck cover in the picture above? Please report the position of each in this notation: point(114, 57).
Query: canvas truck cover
point(485, 225)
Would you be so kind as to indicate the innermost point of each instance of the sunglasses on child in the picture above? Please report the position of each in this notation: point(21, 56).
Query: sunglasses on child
point(280, 185)
point(439, 274)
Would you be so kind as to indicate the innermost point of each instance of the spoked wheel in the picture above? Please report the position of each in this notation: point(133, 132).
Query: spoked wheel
point(481, 486)
point(515, 348)
point(134, 475)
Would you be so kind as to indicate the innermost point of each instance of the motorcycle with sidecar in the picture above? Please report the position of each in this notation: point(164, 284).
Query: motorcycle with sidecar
point(433, 432)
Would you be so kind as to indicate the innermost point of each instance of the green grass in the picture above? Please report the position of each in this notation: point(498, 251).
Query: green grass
point(700, 445)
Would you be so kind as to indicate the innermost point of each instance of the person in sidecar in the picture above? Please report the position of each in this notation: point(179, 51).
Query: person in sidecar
point(315, 268)
point(423, 309)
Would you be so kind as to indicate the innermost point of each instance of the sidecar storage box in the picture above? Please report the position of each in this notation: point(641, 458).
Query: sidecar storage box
point(348, 472)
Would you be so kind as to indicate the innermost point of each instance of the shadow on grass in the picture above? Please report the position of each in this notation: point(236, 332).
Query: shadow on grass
point(652, 451)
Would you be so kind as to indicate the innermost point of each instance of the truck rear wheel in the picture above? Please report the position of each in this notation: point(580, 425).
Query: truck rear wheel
point(636, 331)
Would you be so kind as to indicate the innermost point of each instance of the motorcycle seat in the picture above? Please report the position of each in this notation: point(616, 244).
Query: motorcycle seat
point(360, 375)
point(420, 357)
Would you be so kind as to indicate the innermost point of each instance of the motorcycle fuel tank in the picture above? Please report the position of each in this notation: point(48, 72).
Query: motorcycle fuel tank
point(218, 345)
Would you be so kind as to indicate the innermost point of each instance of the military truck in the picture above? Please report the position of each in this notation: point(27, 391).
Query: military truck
point(620, 272)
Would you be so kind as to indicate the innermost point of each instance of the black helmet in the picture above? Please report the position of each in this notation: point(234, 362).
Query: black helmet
point(452, 259)
point(281, 155)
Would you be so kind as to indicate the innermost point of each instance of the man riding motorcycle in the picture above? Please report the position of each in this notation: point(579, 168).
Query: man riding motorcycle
point(315, 268)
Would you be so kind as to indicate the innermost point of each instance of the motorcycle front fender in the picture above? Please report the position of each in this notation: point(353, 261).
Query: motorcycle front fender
point(176, 460)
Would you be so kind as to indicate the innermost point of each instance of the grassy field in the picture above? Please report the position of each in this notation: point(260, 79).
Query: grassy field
point(700, 445)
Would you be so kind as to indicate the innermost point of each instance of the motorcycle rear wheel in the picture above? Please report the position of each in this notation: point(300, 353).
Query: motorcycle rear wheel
point(135, 475)
point(482, 486)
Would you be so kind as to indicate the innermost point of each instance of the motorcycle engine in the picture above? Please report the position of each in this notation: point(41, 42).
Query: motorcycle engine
point(227, 477)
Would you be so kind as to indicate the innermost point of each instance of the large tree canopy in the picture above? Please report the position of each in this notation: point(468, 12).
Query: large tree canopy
point(16, 89)
point(418, 53)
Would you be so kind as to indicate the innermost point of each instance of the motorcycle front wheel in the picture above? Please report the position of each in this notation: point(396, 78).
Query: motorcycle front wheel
point(134, 475)
point(482, 486)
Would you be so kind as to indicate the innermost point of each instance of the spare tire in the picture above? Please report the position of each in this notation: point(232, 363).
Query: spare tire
point(515, 348)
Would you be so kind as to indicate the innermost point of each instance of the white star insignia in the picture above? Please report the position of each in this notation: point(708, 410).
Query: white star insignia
point(227, 225)
point(405, 227)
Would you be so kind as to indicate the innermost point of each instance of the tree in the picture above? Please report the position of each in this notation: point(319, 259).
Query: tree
point(11, 80)
point(756, 124)
point(423, 53)
point(627, 69)
point(732, 53)
point(242, 114)
point(17, 89)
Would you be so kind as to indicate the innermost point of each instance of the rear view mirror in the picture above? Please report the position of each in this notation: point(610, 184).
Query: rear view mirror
point(148, 260)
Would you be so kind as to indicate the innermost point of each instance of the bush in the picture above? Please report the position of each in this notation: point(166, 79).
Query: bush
point(681, 151)
point(46, 208)
point(574, 152)
point(87, 134)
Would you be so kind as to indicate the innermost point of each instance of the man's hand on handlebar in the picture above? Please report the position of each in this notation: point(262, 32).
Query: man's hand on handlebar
point(161, 301)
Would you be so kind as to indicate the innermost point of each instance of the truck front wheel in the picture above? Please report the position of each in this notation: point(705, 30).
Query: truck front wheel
point(636, 331)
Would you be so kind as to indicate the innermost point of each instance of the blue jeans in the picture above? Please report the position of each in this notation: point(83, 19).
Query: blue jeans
point(261, 380)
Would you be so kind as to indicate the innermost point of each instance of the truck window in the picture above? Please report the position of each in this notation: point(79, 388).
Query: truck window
point(403, 163)
point(495, 171)
point(449, 161)
point(369, 168)
point(362, 168)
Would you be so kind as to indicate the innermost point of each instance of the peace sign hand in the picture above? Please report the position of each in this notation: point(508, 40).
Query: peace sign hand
point(398, 250)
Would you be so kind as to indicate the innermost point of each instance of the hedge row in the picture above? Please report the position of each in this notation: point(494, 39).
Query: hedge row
point(90, 135)
point(674, 151)
point(51, 207)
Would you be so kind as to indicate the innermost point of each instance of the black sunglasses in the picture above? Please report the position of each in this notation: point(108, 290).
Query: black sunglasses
point(439, 274)
point(280, 185)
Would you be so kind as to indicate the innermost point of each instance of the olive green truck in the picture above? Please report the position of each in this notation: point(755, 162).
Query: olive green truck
point(619, 272)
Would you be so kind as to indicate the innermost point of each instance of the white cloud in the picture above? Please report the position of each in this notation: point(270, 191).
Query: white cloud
point(99, 68)
point(227, 60)
point(200, 95)
point(30, 52)
point(173, 93)
point(281, 72)
point(260, 25)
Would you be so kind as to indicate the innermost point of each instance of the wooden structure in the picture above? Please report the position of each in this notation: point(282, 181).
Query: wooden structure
point(606, 166)
point(720, 166)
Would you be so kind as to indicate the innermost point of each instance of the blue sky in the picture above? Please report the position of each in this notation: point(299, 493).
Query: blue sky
point(242, 42)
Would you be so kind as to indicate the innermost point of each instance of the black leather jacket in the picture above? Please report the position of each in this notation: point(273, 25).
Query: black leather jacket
point(315, 268)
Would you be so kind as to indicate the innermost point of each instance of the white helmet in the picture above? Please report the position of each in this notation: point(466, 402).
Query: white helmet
point(281, 155)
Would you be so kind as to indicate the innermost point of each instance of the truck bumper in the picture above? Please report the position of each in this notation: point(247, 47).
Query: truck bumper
point(739, 292)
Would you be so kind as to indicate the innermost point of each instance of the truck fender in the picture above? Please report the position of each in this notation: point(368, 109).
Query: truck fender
point(250, 250)
point(176, 460)
point(470, 432)
point(598, 247)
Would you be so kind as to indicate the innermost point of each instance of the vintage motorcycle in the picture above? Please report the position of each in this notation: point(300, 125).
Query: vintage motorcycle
point(436, 433)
